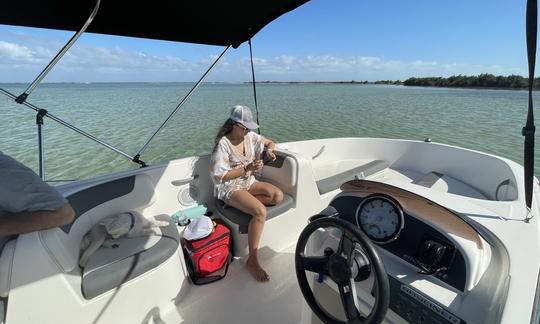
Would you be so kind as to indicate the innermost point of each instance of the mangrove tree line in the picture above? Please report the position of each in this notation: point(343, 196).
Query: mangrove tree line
point(478, 81)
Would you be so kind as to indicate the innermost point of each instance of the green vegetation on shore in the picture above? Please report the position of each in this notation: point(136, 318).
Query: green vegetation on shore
point(484, 80)
point(480, 81)
point(396, 82)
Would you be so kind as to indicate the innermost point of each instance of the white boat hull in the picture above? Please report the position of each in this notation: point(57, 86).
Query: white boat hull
point(44, 281)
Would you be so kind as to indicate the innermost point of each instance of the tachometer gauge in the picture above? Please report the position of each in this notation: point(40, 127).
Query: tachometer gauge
point(380, 218)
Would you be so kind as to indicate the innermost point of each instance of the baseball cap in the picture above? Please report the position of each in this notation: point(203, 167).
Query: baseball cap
point(242, 115)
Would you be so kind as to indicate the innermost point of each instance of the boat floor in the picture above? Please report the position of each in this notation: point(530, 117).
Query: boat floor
point(238, 298)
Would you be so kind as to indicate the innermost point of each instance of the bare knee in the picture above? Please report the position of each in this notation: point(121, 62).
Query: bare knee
point(278, 196)
point(260, 213)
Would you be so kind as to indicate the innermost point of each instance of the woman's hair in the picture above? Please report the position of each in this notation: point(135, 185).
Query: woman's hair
point(225, 129)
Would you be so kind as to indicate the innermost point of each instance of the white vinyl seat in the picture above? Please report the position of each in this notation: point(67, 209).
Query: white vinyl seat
point(445, 183)
point(109, 268)
point(91, 205)
point(332, 183)
point(6, 266)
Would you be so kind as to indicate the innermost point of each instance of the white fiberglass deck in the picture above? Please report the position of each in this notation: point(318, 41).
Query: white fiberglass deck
point(238, 298)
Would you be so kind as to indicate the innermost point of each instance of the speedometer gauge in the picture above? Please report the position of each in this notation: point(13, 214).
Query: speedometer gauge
point(380, 218)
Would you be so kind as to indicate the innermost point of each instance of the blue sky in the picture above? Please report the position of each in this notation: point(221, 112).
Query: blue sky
point(322, 40)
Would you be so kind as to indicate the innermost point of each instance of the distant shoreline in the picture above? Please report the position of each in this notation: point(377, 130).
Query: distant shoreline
point(392, 84)
point(481, 81)
point(328, 82)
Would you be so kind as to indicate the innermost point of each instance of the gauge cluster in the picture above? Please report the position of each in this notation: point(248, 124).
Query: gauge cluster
point(389, 226)
point(380, 218)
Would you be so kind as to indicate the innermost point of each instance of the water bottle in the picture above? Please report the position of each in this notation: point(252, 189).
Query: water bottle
point(180, 218)
point(184, 216)
point(259, 149)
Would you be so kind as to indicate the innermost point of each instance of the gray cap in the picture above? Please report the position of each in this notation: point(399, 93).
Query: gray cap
point(243, 115)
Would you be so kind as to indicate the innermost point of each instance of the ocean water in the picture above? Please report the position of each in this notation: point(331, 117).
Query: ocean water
point(125, 115)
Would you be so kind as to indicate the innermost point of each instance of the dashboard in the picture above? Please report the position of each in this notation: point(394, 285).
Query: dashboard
point(399, 222)
point(421, 239)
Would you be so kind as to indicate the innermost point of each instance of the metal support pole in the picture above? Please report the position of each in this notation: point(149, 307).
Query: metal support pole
point(180, 104)
point(66, 124)
point(39, 122)
point(22, 97)
point(254, 85)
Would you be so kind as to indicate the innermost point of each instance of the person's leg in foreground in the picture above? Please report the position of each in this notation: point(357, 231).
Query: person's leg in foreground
point(246, 202)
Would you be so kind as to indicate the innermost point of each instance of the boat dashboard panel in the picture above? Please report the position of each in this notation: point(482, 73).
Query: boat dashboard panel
point(416, 307)
point(400, 222)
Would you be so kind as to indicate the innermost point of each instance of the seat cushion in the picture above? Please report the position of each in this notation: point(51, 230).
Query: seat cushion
point(242, 219)
point(108, 268)
point(445, 183)
point(332, 183)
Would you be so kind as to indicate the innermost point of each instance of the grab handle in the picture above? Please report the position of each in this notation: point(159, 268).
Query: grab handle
point(181, 182)
point(321, 150)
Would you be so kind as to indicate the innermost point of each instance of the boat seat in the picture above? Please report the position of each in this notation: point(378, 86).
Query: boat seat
point(6, 265)
point(242, 219)
point(332, 183)
point(108, 268)
point(442, 182)
point(91, 204)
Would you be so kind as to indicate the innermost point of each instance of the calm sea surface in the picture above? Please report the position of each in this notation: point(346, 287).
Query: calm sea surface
point(126, 114)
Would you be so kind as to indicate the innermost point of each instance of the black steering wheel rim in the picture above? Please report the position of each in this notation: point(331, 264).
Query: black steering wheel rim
point(382, 298)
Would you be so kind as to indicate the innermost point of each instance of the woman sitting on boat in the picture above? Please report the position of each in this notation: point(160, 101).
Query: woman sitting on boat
point(235, 161)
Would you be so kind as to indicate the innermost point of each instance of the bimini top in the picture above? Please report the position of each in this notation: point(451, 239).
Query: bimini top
point(212, 22)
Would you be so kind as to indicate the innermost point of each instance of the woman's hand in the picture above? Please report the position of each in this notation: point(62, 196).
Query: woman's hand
point(271, 154)
point(254, 166)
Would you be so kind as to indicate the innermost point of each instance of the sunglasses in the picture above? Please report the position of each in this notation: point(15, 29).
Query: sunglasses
point(241, 126)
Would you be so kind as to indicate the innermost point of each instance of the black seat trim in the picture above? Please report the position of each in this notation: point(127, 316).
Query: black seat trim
point(89, 198)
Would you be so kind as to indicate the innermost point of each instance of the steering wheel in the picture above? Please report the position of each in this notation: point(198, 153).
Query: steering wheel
point(338, 266)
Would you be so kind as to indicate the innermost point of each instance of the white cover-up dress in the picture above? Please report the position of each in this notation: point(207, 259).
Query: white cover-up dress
point(225, 158)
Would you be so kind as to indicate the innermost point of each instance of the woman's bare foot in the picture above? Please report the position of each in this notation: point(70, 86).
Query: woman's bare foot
point(256, 271)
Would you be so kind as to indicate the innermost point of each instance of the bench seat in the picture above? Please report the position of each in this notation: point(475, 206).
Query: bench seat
point(332, 183)
point(445, 183)
point(108, 268)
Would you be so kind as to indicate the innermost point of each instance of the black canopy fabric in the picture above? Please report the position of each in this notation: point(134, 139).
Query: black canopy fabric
point(203, 22)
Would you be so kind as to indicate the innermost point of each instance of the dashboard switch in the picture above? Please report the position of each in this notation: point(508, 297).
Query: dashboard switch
point(430, 254)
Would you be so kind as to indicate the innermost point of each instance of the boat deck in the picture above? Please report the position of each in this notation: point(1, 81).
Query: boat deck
point(238, 298)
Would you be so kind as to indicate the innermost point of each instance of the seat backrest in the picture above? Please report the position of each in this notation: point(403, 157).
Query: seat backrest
point(284, 175)
point(92, 204)
point(6, 266)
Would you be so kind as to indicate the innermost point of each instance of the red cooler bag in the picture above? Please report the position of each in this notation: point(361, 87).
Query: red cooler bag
point(208, 258)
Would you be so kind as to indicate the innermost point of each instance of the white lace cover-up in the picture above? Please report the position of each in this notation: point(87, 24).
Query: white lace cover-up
point(225, 158)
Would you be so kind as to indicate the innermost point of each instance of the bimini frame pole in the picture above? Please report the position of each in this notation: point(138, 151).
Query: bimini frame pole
point(145, 146)
point(254, 85)
point(39, 122)
point(22, 97)
point(60, 121)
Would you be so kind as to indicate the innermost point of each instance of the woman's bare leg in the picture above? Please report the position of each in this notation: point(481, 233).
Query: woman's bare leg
point(247, 203)
point(266, 193)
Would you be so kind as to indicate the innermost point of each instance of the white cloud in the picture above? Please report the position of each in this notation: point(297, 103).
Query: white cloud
point(93, 63)
point(13, 53)
point(90, 57)
point(328, 67)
